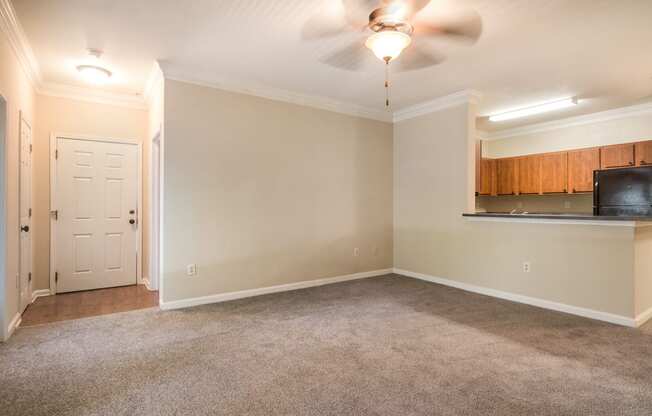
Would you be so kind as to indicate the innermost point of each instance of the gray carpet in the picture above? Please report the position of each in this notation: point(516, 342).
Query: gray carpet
point(381, 346)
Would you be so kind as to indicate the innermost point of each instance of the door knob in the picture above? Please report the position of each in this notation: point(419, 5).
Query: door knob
point(25, 228)
point(132, 221)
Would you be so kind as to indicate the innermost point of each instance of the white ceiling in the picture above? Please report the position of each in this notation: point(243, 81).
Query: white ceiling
point(530, 50)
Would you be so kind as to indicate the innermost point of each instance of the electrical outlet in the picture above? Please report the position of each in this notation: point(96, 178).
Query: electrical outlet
point(191, 269)
point(567, 204)
point(526, 267)
point(356, 252)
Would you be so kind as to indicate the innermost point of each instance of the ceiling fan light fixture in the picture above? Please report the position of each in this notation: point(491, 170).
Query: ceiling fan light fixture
point(387, 45)
point(93, 73)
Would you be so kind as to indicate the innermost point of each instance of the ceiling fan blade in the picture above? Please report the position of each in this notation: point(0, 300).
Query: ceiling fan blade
point(357, 11)
point(466, 25)
point(416, 57)
point(414, 6)
point(350, 58)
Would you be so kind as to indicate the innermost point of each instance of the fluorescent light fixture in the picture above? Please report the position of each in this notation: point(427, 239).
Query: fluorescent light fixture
point(94, 74)
point(536, 109)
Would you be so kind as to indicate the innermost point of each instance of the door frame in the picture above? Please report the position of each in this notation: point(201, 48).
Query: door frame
point(53, 198)
point(30, 283)
point(154, 213)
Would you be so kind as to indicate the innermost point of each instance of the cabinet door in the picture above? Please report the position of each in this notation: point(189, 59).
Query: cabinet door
point(554, 172)
point(488, 176)
point(529, 174)
point(581, 164)
point(617, 156)
point(506, 176)
point(644, 153)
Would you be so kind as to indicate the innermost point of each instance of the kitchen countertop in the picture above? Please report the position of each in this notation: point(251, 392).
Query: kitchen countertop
point(553, 216)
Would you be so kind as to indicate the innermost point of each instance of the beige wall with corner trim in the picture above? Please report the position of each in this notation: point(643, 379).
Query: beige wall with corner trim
point(16, 89)
point(261, 193)
point(62, 115)
point(586, 266)
point(643, 270)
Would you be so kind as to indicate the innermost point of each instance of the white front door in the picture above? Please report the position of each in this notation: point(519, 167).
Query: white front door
point(25, 209)
point(96, 203)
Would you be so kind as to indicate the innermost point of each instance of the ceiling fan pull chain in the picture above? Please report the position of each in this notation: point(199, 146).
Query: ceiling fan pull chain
point(387, 83)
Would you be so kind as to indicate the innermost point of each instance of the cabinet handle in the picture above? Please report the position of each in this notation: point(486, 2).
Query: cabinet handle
point(643, 162)
point(631, 163)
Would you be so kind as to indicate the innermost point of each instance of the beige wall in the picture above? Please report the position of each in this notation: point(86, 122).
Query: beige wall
point(622, 130)
point(60, 115)
point(19, 95)
point(261, 193)
point(580, 265)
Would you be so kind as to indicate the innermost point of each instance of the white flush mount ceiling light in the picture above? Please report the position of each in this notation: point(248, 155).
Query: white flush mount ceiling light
point(536, 109)
point(93, 72)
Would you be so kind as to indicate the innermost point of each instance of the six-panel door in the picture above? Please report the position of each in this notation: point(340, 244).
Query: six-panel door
point(96, 193)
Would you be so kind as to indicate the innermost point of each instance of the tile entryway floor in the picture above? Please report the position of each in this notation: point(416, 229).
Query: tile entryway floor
point(76, 305)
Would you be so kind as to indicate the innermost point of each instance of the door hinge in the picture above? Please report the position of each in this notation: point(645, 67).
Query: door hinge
point(29, 277)
point(56, 277)
point(56, 154)
point(30, 212)
point(30, 148)
point(55, 214)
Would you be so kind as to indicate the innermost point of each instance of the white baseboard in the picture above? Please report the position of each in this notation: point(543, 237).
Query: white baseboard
point(15, 322)
point(41, 292)
point(223, 297)
point(644, 317)
point(541, 303)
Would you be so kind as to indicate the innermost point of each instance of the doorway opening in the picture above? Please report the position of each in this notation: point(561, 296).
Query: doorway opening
point(3, 223)
point(155, 214)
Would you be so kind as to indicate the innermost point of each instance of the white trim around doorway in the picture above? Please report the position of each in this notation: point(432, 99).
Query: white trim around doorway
point(53, 199)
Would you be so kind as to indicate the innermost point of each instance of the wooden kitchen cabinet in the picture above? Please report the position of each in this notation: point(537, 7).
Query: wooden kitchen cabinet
point(506, 176)
point(554, 172)
point(581, 164)
point(488, 177)
point(617, 156)
point(529, 174)
point(643, 153)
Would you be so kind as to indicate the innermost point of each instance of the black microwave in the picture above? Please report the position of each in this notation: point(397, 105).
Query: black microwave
point(623, 192)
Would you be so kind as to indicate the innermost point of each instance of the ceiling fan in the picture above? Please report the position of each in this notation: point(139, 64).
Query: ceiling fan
point(391, 27)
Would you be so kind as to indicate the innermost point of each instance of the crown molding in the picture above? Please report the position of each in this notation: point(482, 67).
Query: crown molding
point(92, 95)
point(11, 27)
point(440, 103)
point(614, 114)
point(155, 78)
point(290, 97)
